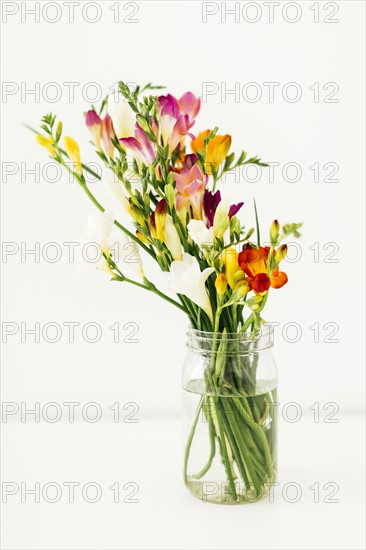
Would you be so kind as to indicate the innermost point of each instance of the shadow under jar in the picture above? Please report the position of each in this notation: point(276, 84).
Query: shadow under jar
point(230, 384)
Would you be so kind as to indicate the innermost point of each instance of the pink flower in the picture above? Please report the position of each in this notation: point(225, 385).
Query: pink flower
point(189, 105)
point(107, 135)
point(191, 184)
point(177, 117)
point(140, 145)
point(101, 130)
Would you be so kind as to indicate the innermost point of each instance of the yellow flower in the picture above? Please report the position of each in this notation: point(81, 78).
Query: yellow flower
point(142, 237)
point(217, 149)
point(221, 284)
point(233, 272)
point(47, 143)
point(73, 151)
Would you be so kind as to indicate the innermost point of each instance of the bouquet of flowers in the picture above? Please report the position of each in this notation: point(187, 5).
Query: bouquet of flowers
point(166, 178)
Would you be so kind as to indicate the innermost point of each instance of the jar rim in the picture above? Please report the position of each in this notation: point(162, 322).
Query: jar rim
point(263, 331)
point(262, 340)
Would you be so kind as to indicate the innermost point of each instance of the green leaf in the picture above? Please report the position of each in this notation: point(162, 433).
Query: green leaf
point(257, 224)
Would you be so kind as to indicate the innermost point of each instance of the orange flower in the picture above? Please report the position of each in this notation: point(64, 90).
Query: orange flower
point(217, 149)
point(254, 263)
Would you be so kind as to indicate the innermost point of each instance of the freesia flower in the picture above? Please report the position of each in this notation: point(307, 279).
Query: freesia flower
point(99, 226)
point(186, 278)
point(210, 203)
point(191, 185)
point(217, 149)
point(221, 284)
point(126, 254)
point(254, 262)
point(107, 135)
point(221, 219)
point(159, 219)
point(73, 152)
point(123, 118)
point(233, 271)
point(123, 251)
point(200, 234)
point(114, 186)
point(94, 124)
point(189, 105)
point(140, 145)
point(176, 118)
point(47, 143)
point(162, 227)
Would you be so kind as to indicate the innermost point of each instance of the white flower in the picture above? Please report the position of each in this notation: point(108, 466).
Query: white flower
point(115, 187)
point(95, 243)
point(186, 278)
point(201, 234)
point(171, 238)
point(99, 242)
point(126, 254)
point(122, 116)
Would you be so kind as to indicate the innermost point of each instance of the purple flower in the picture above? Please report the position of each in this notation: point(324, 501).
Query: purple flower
point(211, 202)
point(234, 209)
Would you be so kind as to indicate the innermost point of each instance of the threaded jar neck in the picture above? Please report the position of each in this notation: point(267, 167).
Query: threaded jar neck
point(234, 342)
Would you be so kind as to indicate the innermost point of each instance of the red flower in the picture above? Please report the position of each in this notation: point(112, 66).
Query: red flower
point(254, 263)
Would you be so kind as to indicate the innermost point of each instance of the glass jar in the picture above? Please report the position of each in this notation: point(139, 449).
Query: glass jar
point(230, 383)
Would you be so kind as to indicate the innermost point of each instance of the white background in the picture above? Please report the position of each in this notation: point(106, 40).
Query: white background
point(171, 45)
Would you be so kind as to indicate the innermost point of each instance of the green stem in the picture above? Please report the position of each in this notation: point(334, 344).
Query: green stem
point(190, 439)
point(152, 288)
point(211, 429)
point(116, 223)
point(225, 456)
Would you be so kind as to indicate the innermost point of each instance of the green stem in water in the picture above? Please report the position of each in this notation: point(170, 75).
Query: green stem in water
point(224, 452)
point(190, 439)
point(211, 430)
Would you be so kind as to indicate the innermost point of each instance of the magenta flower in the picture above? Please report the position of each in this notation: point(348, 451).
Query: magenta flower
point(211, 202)
point(94, 124)
point(191, 184)
point(140, 145)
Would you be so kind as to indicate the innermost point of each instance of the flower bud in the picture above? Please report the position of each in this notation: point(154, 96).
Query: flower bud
point(274, 231)
point(254, 302)
point(230, 260)
point(238, 276)
point(137, 215)
point(107, 134)
point(160, 215)
point(94, 124)
point(73, 152)
point(280, 253)
point(143, 123)
point(47, 143)
point(142, 237)
point(58, 131)
point(170, 195)
point(221, 219)
point(152, 225)
point(241, 289)
point(221, 284)
point(171, 238)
